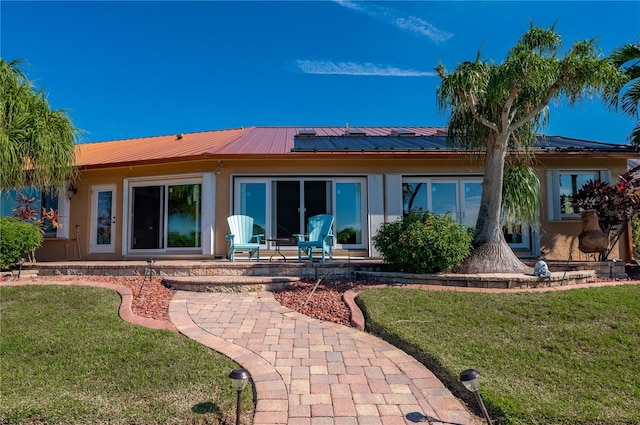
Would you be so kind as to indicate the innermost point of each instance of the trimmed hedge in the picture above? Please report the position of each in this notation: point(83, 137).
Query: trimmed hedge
point(423, 242)
point(17, 238)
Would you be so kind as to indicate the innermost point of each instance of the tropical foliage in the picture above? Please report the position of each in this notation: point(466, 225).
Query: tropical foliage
point(520, 196)
point(43, 218)
point(19, 238)
point(616, 204)
point(627, 60)
point(423, 242)
point(499, 108)
point(37, 144)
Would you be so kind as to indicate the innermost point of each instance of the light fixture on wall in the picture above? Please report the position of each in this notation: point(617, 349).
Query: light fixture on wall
point(71, 190)
point(220, 167)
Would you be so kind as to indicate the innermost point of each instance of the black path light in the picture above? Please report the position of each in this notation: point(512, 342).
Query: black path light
point(470, 379)
point(239, 379)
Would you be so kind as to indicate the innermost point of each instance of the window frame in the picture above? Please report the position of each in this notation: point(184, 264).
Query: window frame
point(554, 207)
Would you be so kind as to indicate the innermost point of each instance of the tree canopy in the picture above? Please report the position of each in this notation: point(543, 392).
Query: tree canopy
point(37, 144)
point(499, 108)
point(627, 60)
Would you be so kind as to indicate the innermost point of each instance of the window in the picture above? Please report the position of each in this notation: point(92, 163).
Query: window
point(459, 198)
point(37, 201)
point(563, 184)
point(570, 184)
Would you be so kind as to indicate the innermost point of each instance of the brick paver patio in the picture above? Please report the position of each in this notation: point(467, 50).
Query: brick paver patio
point(309, 372)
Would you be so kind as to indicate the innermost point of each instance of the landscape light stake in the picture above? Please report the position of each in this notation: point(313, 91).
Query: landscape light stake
point(469, 378)
point(239, 378)
point(148, 272)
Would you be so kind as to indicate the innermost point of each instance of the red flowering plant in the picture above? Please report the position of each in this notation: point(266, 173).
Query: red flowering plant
point(616, 204)
point(43, 219)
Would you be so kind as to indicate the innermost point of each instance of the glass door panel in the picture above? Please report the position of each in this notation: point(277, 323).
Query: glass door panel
point(315, 199)
point(444, 198)
point(147, 204)
point(103, 219)
point(414, 197)
point(287, 209)
point(253, 202)
point(348, 221)
point(184, 216)
point(472, 194)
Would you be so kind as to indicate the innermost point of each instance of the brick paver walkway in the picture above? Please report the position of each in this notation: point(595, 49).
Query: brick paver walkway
point(309, 372)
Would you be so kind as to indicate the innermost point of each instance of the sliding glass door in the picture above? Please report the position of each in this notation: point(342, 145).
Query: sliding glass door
point(166, 216)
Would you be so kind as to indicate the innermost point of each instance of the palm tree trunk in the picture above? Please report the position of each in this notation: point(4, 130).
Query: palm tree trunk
point(491, 253)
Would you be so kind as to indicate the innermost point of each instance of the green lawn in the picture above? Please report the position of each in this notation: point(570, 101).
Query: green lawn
point(566, 357)
point(67, 358)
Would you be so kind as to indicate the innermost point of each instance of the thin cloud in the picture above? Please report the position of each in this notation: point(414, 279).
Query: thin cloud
point(352, 68)
point(398, 18)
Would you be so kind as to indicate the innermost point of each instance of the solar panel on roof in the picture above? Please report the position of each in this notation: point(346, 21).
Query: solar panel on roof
point(307, 133)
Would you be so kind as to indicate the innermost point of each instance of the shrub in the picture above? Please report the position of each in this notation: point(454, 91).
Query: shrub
point(423, 242)
point(16, 239)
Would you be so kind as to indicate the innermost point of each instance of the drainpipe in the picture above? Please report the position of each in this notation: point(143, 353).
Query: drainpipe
point(629, 243)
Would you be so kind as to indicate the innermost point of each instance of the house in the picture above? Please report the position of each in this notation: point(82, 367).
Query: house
point(169, 196)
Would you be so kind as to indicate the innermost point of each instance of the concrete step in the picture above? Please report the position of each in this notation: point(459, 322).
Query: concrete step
point(228, 283)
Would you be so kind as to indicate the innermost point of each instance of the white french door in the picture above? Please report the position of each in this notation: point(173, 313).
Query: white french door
point(103, 219)
point(281, 206)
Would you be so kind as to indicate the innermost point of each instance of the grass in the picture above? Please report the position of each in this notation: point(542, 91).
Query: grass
point(565, 357)
point(67, 358)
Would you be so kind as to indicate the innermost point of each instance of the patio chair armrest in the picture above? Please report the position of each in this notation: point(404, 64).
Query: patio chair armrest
point(327, 237)
point(258, 238)
point(300, 236)
point(229, 237)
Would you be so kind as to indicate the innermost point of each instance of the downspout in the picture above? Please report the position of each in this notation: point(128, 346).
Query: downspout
point(629, 243)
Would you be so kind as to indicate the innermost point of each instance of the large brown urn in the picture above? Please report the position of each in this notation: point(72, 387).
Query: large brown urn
point(592, 238)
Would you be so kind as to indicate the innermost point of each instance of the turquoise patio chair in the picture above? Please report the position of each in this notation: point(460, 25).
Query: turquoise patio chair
point(241, 237)
point(319, 236)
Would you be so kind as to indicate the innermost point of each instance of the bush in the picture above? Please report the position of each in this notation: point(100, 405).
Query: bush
point(423, 243)
point(16, 239)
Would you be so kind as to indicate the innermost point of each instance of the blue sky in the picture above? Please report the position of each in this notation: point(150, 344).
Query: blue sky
point(124, 69)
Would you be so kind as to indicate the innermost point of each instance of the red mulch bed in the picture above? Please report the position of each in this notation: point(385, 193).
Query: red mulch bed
point(325, 303)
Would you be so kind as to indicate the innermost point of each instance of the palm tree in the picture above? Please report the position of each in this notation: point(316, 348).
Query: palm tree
point(627, 60)
point(37, 144)
point(498, 109)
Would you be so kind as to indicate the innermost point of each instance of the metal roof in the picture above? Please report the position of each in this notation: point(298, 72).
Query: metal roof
point(252, 142)
point(434, 143)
